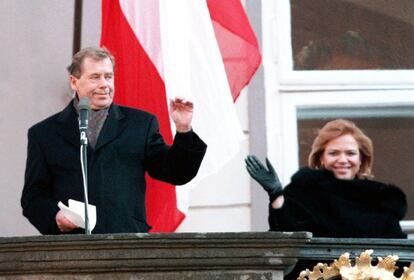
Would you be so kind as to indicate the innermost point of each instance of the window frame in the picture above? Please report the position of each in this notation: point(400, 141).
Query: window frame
point(298, 80)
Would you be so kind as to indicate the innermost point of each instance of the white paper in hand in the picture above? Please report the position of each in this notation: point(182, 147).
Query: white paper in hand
point(76, 213)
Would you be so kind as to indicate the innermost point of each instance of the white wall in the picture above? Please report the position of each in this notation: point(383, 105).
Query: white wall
point(36, 45)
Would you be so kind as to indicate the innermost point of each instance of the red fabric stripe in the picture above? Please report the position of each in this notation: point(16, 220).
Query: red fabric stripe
point(237, 42)
point(139, 85)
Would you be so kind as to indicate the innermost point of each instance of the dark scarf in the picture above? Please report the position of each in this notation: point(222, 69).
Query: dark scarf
point(96, 122)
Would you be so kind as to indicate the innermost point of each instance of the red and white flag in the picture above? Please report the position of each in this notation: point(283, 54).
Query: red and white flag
point(237, 42)
point(167, 48)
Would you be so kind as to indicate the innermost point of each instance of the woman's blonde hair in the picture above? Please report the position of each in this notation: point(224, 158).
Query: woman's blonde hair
point(334, 129)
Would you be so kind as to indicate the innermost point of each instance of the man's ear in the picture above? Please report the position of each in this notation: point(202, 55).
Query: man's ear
point(73, 82)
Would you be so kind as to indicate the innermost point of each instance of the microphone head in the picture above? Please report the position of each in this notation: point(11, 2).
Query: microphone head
point(84, 104)
point(84, 109)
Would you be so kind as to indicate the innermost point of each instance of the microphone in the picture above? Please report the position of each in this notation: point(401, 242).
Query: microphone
point(84, 108)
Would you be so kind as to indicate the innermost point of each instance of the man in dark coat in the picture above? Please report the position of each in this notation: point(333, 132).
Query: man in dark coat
point(123, 144)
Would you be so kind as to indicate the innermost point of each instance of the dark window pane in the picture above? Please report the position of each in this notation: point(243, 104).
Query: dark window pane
point(352, 34)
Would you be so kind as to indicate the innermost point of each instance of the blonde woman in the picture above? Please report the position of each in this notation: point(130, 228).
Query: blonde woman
point(335, 196)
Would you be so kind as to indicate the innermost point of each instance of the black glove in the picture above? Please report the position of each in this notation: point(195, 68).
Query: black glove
point(267, 178)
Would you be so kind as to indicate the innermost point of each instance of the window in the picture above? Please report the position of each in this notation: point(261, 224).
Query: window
point(352, 34)
point(342, 35)
point(363, 71)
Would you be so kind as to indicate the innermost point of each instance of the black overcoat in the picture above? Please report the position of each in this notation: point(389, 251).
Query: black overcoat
point(318, 202)
point(129, 145)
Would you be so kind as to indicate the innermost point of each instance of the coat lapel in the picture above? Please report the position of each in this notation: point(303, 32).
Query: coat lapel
point(113, 126)
point(68, 125)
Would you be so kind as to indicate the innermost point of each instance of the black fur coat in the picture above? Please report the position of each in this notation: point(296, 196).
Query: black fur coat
point(316, 201)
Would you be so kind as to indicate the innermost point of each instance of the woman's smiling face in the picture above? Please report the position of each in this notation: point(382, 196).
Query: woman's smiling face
point(342, 157)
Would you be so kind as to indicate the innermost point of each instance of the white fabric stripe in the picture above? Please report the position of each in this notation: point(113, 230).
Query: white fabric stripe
point(144, 19)
point(176, 43)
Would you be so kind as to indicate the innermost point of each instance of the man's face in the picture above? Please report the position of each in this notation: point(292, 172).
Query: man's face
point(95, 82)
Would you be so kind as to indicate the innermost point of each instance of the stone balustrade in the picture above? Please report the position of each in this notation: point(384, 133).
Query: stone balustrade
point(247, 255)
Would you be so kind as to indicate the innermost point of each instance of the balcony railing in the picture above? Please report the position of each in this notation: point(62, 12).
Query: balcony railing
point(252, 255)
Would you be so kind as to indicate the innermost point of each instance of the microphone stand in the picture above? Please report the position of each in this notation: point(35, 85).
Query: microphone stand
point(84, 108)
point(84, 166)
